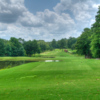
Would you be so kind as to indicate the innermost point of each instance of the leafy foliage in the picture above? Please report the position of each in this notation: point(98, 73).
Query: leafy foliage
point(17, 48)
point(95, 42)
point(2, 47)
point(83, 43)
point(53, 43)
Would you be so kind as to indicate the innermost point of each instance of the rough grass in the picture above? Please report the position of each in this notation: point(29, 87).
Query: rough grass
point(74, 78)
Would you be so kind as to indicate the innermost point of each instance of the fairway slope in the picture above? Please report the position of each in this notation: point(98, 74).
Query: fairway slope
point(73, 78)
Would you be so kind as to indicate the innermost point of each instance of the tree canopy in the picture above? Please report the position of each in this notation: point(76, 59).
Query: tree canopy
point(88, 43)
point(95, 41)
point(83, 43)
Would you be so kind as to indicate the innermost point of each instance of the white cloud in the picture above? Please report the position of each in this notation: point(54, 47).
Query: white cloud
point(96, 5)
point(3, 27)
point(55, 23)
point(82, 12)
point(69, 18)
point(10, 10)
point(29, 20)
point(63, 5)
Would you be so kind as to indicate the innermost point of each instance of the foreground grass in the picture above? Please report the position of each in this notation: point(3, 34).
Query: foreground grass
point(73, 78)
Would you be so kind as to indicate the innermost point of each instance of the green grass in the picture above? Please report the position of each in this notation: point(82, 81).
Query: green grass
point(73, 78)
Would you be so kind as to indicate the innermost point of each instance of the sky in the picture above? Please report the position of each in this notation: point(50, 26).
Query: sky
point(46, 19)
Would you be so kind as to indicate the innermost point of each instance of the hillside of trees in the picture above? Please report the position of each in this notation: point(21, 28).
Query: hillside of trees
point(20, 47)
point(88, 43)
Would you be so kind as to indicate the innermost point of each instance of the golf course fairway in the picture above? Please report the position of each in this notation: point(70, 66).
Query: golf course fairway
point(71, 78)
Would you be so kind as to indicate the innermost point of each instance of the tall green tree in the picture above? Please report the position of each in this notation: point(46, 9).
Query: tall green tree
point(2, 47)
point(31, 47)
point(83, 43)
point(71, 41)
point(8, 49)
point(53, 43)
point(35, 47)
point(16, 47)
point(62, 43)
point(95, 40)
point(28, 47)
point(42, 44)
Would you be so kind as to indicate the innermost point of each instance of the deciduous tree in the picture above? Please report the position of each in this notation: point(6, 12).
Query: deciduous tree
point(95, 41)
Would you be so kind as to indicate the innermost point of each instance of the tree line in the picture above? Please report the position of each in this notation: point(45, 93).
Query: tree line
point(20, 47)
point(88, 43)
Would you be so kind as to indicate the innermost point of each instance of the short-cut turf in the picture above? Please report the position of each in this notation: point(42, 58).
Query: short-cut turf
point(73, 78)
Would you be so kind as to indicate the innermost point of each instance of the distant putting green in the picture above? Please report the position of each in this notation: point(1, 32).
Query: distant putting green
point(72, 78)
